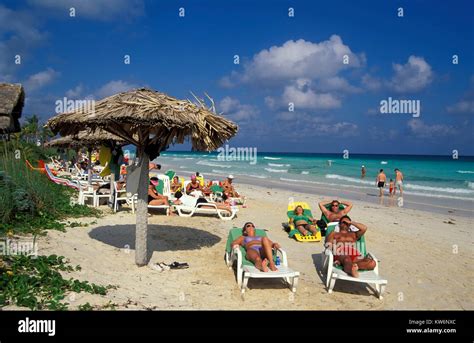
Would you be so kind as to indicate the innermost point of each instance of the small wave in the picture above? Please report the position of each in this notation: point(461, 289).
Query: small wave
point(271, 158)
point(438, 189)
point(304, 172)
point(278, 165)
point(383, 162)
point(349, 179)
point(182, 167)
point(465, 172)
point(189, 158)
point(220, 171)
point(253, 175)
point(271, 170)
point(205, 163)
point(470, 185)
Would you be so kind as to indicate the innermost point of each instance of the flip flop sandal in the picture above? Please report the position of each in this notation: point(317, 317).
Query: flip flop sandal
point(164, 266)
point(177, 265)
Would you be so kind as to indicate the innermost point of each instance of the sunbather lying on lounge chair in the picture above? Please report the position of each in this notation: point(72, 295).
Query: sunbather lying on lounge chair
point(259, 249)
point(335, 213)
point(343, 244)
point(302, 222)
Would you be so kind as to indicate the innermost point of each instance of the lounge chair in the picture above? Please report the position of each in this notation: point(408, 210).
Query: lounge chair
point(206, 208)
point(294, 232)
point(61, 181)
point(122, 195)
point(247, 270)
point(335, 273)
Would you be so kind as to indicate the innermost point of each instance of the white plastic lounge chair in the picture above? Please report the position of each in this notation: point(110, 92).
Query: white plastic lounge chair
point(206, 208)
point(246, 270)
point(365, 276)
point(123, 195)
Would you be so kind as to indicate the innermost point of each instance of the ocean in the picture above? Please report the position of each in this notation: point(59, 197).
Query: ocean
point(426, 176)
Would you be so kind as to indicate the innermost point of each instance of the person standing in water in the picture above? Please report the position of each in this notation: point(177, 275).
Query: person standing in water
point(380, 181)
point(363, 171)
point(398, 181)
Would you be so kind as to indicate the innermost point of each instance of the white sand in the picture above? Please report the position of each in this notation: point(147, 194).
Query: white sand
point(417, 254)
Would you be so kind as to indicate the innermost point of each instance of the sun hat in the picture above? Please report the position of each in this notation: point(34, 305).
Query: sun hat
point(230, 176)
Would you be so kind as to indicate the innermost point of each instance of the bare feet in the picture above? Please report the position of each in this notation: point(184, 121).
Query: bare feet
point(354, 271)
point(273, 268)
point(264, 265)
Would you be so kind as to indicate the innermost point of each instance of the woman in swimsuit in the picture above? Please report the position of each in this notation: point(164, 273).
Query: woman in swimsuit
point(259, 249)
point(303, 222)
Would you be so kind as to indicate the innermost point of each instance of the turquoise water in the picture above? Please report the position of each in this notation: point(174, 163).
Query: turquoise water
point(427, 176)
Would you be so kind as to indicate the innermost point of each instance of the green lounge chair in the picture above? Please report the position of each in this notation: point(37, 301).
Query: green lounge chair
point(247, 270)
point(337, 273)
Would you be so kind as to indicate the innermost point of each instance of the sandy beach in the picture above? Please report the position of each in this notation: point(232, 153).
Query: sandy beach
point(427, 259)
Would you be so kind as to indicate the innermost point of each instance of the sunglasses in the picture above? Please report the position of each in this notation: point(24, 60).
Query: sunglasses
point(335, 205)
point(346, 223)
point(249, 225)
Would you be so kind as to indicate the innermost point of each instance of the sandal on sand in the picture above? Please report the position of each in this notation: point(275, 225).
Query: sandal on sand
point(177, 265)
point(164, 266)
point(156, 266)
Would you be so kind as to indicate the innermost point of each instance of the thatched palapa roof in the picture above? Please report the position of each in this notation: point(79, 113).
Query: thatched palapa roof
point(84, 139)
point(12, 99)
point(145, 118)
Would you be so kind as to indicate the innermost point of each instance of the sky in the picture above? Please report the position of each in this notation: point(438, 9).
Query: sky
point(296, 76)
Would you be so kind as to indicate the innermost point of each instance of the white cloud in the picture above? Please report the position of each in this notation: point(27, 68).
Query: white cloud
point(41, 79)
point(303, 96)
point(344, 129)
point(298, 59)
point(236, 110)
point(420, 129)
point(336, 83)
point(463, 106)
point(410, 77)
point(94, 9)
point(413, 76)
point(75, 92)
point(114, 87)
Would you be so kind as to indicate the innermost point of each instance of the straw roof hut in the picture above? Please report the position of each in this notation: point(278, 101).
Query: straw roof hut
point(12, 99)
point(87, 139)
point(151, 121)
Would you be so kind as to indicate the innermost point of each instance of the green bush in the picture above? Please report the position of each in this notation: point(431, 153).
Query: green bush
point(30, 202)
point(37, 283)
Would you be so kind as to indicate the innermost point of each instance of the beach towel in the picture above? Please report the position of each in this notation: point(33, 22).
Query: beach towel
point(294, 232)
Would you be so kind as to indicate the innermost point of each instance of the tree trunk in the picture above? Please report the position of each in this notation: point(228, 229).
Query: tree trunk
point(141, 232)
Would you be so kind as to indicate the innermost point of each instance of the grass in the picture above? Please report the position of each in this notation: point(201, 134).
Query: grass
point(30, 202)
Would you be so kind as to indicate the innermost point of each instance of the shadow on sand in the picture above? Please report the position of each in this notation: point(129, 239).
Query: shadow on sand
point(160, 237)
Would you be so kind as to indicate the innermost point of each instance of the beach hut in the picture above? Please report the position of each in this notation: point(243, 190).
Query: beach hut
point(151, 121)
point(12, 99)
point(88, 139)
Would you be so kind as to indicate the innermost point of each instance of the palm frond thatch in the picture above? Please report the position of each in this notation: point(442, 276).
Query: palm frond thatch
point(85, 139)
point(145, 117)
point(12, 99)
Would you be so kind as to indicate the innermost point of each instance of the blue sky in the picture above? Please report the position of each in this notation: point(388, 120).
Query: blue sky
point(283, 60)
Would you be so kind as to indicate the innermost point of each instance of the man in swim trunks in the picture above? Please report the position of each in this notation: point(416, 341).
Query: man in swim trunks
point(259, 249)
point(334, 213)
point(380, 181)
point(398, 181)
point(363, 171)
point(344, 247)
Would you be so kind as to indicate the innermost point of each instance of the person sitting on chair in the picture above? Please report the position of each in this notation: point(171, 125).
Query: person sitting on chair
point(343, 244)
point(175, 184)
point(258, 249)
point(194, 186)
